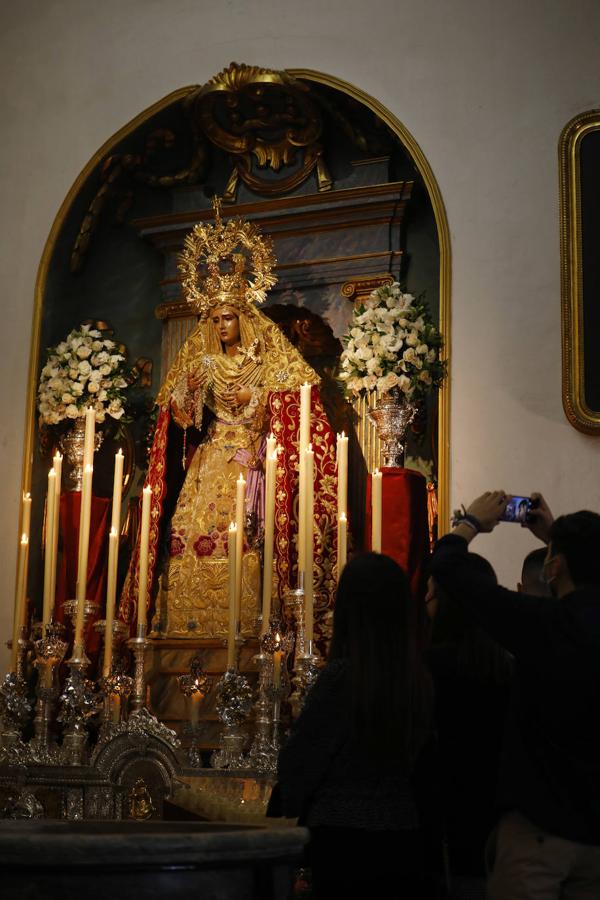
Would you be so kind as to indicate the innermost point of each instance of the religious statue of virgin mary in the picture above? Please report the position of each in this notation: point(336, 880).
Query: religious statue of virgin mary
point(235, 380)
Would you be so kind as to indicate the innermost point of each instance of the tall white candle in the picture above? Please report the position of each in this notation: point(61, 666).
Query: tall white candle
point(48, 601)
point(342, 473)
point(84, 546)
point(376, 510)
point(57, 466)
point(20, 599)
point(26, 515)
point(304, 416)
point(117, 492)
point(303, 441)
point(309, 467)
point(270, 481)
point(231, 553)
point(240, 516)
point(142, 608)
point(277, 658)
point(90, 431)
point(342, 543)
point(111, 593)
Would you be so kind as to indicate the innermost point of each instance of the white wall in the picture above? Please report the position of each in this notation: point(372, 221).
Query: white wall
point(484, 86)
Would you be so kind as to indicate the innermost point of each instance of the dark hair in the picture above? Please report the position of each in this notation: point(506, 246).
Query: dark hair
point(532, 573)
point(373, 628)
point(477, 654)
point(577, 537)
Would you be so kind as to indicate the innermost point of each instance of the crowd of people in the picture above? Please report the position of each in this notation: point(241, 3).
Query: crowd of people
point(458, 756)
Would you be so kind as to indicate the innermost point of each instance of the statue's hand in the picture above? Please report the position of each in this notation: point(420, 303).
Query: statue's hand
point(196, 380)
point(180, 416)
point(237, 397)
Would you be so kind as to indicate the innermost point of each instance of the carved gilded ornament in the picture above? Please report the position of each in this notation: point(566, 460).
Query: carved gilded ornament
point(258, 113)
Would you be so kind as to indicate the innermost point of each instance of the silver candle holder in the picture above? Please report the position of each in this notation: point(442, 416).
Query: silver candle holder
point(273, 688)
point(234, 702)
point(138, 646)
point(306, 662)
point(90, 611)
point(15, 709)
point(194, 685)
point(50, 649)
point(78, 703)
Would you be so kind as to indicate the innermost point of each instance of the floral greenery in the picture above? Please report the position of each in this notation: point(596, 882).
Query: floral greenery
point(392, 344)
point(86, 369)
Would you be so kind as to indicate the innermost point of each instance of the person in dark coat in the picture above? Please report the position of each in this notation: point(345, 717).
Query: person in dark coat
point(547, 845)
point(347, 770)
point(472, 675)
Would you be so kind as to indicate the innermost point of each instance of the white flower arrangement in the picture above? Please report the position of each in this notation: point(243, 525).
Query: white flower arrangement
point(86, 369)
point(391, 344)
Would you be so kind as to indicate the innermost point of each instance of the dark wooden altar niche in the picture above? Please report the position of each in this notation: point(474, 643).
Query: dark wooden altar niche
point(337, 213)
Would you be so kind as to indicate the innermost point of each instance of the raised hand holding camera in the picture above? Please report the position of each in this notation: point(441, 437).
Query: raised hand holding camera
point(488, 509)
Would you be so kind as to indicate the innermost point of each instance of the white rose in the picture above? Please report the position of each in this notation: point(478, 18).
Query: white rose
point(105, 369)
point(372, 364)
point(101, 358)
point(364, 353)
point(102, 395)
point(73, 374)
point(76, 342)
point(115, 409)
point(67, 397)
point(412, 340)
point(115, 359)
point(93, 387)
point(425, 377)
point(389, 381)
point(76, 389)
point(96, 346)
point(431, 356)
point(396, 346)
point(84, 368)
point(83, 352)
point(404, 384)
point(53, 418)
point(422, 349)
point(95, 376)
point(370, 382)
point(71, 411)
point(108, 345)
point(100, 416)
point(409, 355)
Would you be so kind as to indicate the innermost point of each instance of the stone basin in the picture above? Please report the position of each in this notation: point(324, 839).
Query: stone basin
point(126, 860)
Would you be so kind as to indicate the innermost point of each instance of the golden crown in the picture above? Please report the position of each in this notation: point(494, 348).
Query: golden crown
point(241, 246)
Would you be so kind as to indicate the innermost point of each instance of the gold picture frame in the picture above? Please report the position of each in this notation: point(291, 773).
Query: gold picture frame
point(579, 271)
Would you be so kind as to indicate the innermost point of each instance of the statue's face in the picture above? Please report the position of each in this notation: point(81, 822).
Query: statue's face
point(227, 325)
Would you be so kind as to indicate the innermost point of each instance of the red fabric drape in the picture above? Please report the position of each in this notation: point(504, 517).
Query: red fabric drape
point(70, 505)
point(405, 531)
point(284, 407)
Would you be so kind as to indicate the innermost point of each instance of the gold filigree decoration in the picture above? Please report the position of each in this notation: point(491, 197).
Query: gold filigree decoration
point(236, 243)
point(264, 116)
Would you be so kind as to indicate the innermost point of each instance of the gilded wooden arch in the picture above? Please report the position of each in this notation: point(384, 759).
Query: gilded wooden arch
point(419, 160)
